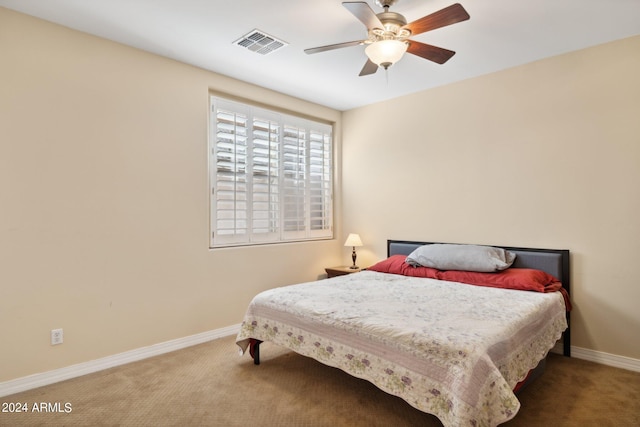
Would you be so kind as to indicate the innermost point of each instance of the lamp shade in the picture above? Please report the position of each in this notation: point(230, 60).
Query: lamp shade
point(386, 52)
point(353, 240)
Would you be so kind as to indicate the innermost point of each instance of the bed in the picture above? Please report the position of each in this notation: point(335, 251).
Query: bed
point(456, 350)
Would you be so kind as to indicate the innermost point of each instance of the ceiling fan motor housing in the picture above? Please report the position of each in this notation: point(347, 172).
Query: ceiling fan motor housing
point(394, 19)
point(393, 24)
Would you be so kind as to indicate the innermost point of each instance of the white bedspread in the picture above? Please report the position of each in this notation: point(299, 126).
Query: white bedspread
point(449, 349)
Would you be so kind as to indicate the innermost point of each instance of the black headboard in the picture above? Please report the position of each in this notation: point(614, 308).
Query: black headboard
point(552, 261)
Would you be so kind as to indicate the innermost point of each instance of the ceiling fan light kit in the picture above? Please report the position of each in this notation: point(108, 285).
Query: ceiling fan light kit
point(385, 53)
point(388, 34)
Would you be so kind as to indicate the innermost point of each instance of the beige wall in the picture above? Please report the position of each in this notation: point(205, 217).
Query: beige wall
point(104, 201)
point(542, 155)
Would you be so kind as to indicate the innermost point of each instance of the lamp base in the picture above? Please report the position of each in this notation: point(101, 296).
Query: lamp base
point(353, 259)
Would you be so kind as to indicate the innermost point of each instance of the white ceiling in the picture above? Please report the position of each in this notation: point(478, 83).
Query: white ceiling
point(499, 35)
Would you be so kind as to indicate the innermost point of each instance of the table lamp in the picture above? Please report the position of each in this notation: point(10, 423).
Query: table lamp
point(353, 240)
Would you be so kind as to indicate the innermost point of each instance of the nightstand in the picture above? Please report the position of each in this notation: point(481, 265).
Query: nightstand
point(340, 271)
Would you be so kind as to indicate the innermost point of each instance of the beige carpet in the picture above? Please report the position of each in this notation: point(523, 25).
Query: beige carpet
point(210, 385)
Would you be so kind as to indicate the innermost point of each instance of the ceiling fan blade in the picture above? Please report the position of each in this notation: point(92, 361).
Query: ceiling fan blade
point(432, 53)
point(332, 47)
point(447, 16)
point(364, 13)
point(369, 68)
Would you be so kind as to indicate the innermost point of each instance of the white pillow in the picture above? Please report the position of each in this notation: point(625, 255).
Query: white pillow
point(461, 257)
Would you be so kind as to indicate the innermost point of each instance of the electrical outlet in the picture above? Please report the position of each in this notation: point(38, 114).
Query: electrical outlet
point(56, 336)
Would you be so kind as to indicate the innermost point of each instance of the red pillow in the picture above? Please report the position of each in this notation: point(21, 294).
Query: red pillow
point(524, 279)
point(395, 265)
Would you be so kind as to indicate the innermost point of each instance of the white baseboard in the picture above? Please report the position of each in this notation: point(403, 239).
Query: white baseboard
point(38, 380)
point(45, 378)
point(608, 359)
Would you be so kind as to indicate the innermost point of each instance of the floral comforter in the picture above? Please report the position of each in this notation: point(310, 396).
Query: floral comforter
point(453, 350)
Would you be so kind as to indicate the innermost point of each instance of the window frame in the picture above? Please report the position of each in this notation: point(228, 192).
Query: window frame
point(314, 193)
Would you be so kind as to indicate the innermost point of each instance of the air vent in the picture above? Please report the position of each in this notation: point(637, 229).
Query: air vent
point(260, 42)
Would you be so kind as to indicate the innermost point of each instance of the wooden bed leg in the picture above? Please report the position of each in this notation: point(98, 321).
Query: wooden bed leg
point(254, 350)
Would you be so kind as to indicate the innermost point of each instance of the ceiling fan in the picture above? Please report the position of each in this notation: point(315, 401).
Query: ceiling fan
point(388, 34)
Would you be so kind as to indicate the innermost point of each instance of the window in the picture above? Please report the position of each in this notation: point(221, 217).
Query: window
point(270, 175)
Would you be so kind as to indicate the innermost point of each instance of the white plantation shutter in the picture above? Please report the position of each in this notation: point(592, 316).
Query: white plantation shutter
point(230, 174)
point(271, 176)
point(320, 183)
point(294, 169)
point(265, 210)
